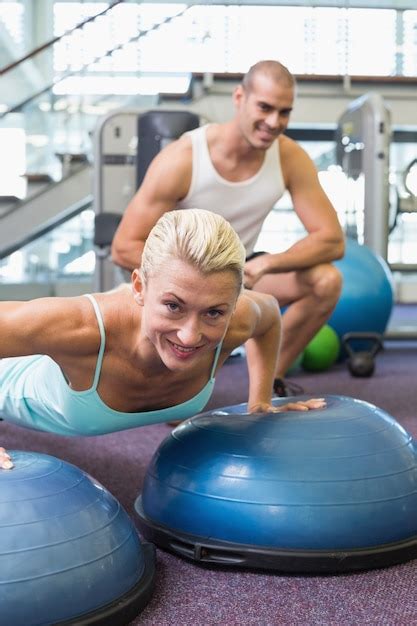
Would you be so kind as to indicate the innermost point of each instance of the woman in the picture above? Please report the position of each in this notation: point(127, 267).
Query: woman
point(145, 352)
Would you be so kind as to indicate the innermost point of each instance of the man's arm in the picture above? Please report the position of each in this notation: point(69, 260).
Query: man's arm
point(166, 182)
point(324, 241)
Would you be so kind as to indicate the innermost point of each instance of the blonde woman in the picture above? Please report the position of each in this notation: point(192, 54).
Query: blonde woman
point(146, 352)
point(239, 169)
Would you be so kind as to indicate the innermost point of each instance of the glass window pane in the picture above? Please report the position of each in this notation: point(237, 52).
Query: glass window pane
point(268, 33)
point(11, 19)
point(410, 43)
point(327, 41)
point(207, 38)
point(371, 55)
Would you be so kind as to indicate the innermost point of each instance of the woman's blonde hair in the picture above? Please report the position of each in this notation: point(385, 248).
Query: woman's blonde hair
point(202, 238)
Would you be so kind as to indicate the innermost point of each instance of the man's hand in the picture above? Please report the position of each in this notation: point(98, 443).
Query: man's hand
point(301, 405)
point(254, 270)
point(5, 460)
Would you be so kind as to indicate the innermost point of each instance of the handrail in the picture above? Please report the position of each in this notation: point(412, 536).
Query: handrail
point(36, 233)
point(50, 43)
point(141, 34)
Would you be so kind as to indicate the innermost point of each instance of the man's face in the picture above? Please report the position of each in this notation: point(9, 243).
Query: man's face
point(263, 112)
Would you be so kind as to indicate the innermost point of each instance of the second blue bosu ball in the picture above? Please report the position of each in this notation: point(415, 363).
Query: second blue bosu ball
point(327, 490)
point(69, 553)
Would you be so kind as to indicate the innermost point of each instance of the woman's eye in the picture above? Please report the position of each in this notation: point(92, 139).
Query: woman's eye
point(215, 314)
point(172, 307)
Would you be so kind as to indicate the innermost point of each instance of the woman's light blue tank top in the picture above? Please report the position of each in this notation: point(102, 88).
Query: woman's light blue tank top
point(35, 394)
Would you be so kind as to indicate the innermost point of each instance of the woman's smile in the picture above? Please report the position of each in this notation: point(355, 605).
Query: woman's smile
point(184, 352)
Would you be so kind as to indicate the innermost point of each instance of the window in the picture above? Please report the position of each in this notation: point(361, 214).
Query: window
point(176, 38)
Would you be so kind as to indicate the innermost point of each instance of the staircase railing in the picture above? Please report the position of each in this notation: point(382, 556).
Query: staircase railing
point(35, 51)
point(48, 45)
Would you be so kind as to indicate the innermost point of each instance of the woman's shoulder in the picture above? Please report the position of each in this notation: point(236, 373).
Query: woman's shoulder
point(242, 322)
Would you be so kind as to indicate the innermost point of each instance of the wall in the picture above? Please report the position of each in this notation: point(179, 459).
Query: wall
point(316, 103)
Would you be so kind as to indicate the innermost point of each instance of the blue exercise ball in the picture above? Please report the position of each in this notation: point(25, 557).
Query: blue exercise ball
point(68, 550)
point(367, 297)
point(320, 491)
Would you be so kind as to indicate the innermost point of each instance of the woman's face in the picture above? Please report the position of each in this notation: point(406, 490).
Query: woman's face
point(185, 313)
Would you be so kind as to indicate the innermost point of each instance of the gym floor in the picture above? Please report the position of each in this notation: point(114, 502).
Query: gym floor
point(186, 593)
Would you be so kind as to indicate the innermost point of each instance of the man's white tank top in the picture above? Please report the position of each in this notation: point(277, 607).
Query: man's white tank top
point(245, 204)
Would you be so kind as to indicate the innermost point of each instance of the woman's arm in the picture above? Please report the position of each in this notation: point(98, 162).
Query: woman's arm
point(52, 326)
point(43, 326)
point(262, 349)
point(257, 321)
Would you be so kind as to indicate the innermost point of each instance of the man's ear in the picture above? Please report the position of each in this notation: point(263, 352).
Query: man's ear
point(137, 287)
point(238, 95)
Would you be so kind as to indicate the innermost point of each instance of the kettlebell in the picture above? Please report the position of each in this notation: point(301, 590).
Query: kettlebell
point(362, 362)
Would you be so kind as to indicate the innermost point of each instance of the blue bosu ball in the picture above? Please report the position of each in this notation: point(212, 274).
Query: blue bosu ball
point(69, 553)
point(367, 297)
point(320, 491)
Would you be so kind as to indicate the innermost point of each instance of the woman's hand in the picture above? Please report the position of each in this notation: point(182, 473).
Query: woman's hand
point(5, 460)
point(300, 405)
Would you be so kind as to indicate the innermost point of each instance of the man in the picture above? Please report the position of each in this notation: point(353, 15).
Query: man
point(240, 169)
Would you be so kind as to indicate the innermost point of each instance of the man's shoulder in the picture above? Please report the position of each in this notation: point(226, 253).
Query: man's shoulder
point(291, 151)
point(178, 152)
point(242, 322)
point(288, 145)
point(182, 144)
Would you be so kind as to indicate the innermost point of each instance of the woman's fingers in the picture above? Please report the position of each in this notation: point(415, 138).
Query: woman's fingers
point(315, 403)
point(5, 460)
point(299, 405)
point(304, 405)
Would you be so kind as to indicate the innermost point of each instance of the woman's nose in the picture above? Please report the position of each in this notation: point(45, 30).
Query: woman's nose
point(189, 334)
